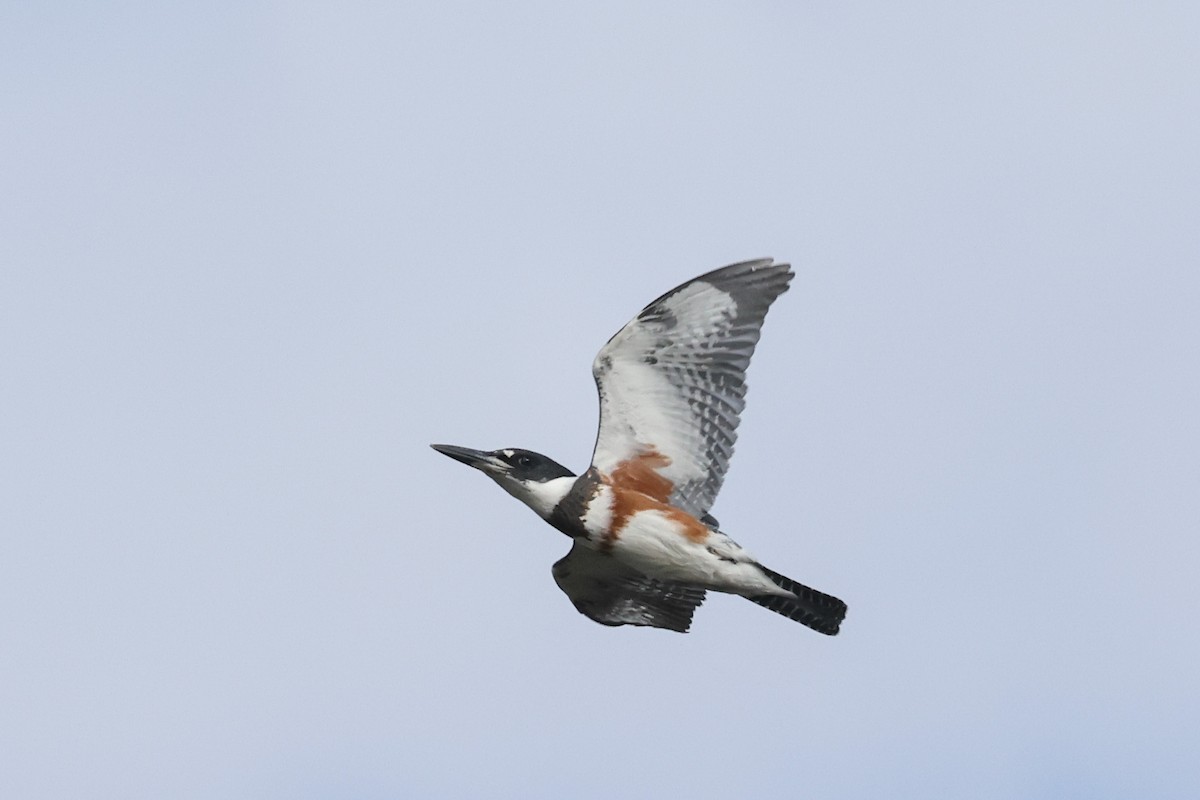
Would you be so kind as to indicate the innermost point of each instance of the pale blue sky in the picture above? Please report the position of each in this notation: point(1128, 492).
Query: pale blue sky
point(255, 257)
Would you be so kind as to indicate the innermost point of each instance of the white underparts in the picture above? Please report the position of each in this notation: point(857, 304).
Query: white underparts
point(598, 516)
point(653, 543)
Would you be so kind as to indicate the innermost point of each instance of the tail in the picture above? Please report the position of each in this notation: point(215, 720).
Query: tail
point(819, 611)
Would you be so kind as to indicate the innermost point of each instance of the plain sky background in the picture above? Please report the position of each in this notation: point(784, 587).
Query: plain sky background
point(255, 257)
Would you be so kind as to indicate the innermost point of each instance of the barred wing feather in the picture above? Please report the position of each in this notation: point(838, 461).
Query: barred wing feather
point(607, 591)
point(672, 383)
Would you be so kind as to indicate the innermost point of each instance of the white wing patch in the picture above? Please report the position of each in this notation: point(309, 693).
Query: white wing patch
point(672, 381)
point(645, 398)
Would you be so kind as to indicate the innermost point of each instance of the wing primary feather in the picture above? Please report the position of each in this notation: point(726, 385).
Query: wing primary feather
point(611, 593)
point(672, 381)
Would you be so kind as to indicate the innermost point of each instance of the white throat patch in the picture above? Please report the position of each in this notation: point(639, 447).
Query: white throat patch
point(542, 497)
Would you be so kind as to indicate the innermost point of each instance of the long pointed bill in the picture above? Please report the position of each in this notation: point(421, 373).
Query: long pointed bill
point(472, 458)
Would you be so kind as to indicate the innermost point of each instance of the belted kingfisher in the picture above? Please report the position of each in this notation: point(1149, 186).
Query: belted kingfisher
point(672, 386)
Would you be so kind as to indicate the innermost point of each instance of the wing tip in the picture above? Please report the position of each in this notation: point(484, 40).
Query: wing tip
point(764, 274)
point(764, 277)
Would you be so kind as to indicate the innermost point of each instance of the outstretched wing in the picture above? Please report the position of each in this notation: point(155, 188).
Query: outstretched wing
point(610, 593)
point(672, 384)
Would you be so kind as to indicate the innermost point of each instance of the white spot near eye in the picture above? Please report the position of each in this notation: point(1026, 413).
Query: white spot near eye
point(507, 453)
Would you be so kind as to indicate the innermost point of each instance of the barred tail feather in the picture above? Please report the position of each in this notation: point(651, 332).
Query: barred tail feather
point(819, 611)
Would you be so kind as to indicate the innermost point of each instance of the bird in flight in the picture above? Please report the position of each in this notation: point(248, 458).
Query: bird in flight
point(672, 386)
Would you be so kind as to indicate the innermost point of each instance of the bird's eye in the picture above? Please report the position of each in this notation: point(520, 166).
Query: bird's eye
point(524, 461)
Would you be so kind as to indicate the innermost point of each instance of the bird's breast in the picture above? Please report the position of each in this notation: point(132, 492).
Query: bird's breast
point(614, 513)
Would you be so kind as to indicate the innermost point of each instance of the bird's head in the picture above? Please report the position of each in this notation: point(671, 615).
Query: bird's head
point(537, 481)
